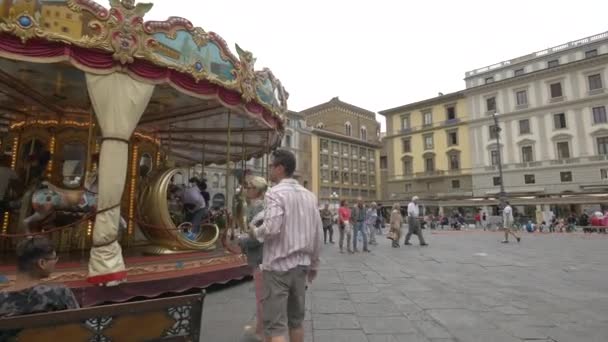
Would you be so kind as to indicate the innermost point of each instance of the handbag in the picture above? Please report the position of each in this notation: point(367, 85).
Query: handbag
point(391, 235)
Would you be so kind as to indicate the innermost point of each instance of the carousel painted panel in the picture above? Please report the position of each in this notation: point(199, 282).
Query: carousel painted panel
point(184, 51)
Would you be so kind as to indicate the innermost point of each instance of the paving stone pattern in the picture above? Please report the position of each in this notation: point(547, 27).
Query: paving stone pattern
point(465, 287)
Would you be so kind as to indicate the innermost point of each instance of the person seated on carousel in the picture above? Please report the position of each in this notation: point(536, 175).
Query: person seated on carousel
point(195, 205)
point(255, 188)
point(9, 183)
point(202, 185)
point(36, 260)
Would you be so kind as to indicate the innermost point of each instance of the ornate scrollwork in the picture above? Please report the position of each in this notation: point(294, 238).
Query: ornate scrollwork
point(246, 74)
point(125, 28)
point(23, 25)
point(278, 91)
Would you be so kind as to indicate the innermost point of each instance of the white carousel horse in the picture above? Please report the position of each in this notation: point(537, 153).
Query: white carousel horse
point(51, 198)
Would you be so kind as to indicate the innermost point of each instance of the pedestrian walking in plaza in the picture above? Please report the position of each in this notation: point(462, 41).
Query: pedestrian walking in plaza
point(255, 188)
point(291, 232)
point(344, 226)
point(327, 218)
point(507, 219)
point(413, 223)
point(371, 218)
point(358, 216)
point(395, 225)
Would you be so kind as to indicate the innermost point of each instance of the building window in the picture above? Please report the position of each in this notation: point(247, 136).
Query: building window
point(491, 104)
point(429, 164)
point(428, 142)
point(408, 166)
point(345, 177)
point(455, 184)
point(325, 176)
point(496, 181)
point(335, 147)
point(48, 12)
point(489, 79)
point(602, 146)
point(406, 145)
point(345, 150)
point(563, 150)
point(595, 82)
point(427, 118)
point(559, 121)
point(335, 176)
point(355, 178)
point(454, 159)
point(405, 122)
point(363, 166)
point(324, 160)
point(57, 14)
point(553, 63)
point(565, 176)
point(335, 162)
point(408, 187)
point(47, 25)
point(494, 157)
point(345, 163)
point(452, 138)
point(353, 151)
point(215, 181)
point(524, 126)
point(348, 128)
point(599, 115)
point(604, 174)
point(68, 16)
point(451, 113)
point(529, 179)
point(518, 72)
point(287, 142)
point(527, 155)
point(590, 53)
point(324, 146)
point(383, 162)
point(521, 97)
point(556, 90)
point(494, 131)
point(363, 133)
point(65, 29)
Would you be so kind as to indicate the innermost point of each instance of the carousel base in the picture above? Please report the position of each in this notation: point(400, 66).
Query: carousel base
point(147, 276)
point(162, 250)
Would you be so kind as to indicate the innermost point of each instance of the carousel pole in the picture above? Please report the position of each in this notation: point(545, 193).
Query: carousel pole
point(87, 170)
point(228, 159)
point(267, 150)
point(203, 164)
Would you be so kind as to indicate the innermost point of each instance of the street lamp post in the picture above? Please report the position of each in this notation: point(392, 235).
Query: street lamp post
point(502, 195)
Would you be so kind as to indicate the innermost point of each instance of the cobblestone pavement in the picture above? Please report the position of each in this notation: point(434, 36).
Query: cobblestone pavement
point(466, 287)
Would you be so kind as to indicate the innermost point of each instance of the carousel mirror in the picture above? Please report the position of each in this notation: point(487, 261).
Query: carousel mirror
point(145, 165)
point(74, 161)
point(33, 160)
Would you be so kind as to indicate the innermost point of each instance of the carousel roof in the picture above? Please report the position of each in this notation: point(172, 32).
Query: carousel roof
point(204, 93)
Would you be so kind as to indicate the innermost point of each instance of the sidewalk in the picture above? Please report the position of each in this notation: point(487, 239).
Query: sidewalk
point(465, 287)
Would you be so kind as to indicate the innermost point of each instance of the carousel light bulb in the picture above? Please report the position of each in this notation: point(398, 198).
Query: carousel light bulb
point(14, 153)
point(5, 222)
point(132, 191)
point(89, 228)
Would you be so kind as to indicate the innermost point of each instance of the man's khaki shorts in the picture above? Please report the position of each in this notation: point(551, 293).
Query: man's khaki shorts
point(283, 300)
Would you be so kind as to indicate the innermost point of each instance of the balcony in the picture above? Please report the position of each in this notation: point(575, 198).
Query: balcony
point(451, 122)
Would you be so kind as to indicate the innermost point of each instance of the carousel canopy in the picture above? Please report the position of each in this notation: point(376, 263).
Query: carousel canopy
point(204, 95)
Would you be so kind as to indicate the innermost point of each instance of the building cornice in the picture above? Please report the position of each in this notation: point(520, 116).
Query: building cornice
point(336, 103)
point(345, 138)
point(534, 75)
point(447, 98)
point(540, 55)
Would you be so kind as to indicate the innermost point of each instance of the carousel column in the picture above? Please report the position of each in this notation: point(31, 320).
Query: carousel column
point(118, 101)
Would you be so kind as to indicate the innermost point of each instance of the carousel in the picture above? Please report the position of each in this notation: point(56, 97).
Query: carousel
point(102, 117)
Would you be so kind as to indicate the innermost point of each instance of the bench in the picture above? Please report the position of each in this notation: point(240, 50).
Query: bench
point(175, 318)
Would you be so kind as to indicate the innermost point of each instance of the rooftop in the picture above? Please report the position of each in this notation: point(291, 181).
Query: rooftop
point(539, 54)
point(337, 103)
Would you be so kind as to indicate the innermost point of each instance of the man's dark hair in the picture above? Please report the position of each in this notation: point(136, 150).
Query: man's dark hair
point(30, 250)
point(286, 159)
point(507, 203)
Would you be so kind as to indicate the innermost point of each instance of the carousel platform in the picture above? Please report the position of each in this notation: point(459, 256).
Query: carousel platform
point(148, 276)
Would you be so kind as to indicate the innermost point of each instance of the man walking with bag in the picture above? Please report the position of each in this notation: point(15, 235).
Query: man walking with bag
point(413, 212)
point(291, 232)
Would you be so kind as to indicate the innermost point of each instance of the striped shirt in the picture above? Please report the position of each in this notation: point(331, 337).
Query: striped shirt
point(292, 227)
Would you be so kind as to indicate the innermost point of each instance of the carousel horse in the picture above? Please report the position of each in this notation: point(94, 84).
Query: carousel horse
point(49, 199)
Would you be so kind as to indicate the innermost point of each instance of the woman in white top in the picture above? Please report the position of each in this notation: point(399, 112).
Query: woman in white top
point(507, 216)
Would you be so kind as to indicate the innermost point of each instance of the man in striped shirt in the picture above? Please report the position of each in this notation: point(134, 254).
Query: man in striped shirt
point(291, 232)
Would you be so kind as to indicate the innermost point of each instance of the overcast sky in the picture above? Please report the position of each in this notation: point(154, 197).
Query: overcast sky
point(382, 54)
